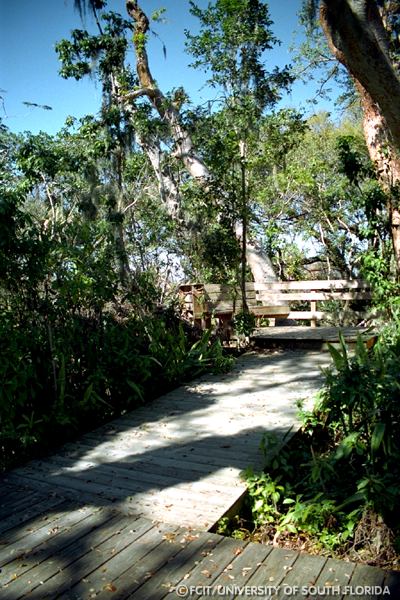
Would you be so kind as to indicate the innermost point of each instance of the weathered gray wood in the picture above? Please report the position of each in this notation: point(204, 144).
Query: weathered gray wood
point(224, 301)
point(22, 541)
point(366, 577)
point(164, 582)
point(151, 502)
point(303, 575)
point(334, 577)
point(244, 564)
point(158, 466)
point(111, 557)
point(190, 458)
point(309, 296)
point(307, 314)
point(212, 565)
point(273, 568)
point(270, 311)
point(16, 502)
point(19, 518)
point(123, 478)
point(21, 578)
point(131, 570)
point(316, 284)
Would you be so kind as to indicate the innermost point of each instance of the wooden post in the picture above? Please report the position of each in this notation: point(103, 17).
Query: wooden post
point(313, 310)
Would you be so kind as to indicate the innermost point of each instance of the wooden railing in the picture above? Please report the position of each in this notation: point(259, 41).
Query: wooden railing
point(272, 300)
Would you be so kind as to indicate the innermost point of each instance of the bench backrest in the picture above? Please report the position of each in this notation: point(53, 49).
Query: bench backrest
point(207, 298)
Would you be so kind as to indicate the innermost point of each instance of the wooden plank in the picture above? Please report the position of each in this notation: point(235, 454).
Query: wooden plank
point(133, 568)
point(365, 577)
point(302, 575)
point(317, 284)
point(308, 296)
point(20, 541)
point(229, 295)
point(159, 466)
point(270, 311)
point(139, 494)
point(17, 502)
point(334, 576)
point(124, 477)
point(273, 569)
point(164, 582)
point(22, 578)
point(163, 505)
point(308, 314)
point(243, 565)
point(110, 558)
point(29, 512)
point(206, 572)
point(105, 547)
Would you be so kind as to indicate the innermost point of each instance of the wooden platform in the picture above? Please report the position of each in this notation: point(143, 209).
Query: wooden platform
point(179, 459)
point(124, 512)
point(315, 338)
point(53, 548)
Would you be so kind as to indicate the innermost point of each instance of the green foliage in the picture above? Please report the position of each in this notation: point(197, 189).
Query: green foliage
point(244, 323)
point(233, 37)
point(326, 482)
point(78, 344)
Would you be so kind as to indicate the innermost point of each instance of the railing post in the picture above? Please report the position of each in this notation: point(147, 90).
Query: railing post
point(313, 310)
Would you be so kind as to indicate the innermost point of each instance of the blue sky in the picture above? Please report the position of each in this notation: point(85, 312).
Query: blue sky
point(29, 64)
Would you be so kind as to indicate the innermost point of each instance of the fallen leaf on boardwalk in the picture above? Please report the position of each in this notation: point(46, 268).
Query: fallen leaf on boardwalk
point(245, 569)
point(170, 537)
point(229, 567)
point(188, 537)
point(110, 588)
point(271, 579)
point(286, 568)
point(238, 551)
point(206, 573)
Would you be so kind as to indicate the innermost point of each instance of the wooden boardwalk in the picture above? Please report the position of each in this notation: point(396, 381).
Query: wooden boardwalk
point(125, 512)
point(316, 338)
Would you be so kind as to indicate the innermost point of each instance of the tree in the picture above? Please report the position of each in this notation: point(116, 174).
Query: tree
point(130, 99)
point(230, 46)
point(363, 36)
point(317, 186)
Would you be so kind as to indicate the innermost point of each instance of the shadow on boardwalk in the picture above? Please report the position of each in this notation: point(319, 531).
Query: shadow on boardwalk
point(175, 461)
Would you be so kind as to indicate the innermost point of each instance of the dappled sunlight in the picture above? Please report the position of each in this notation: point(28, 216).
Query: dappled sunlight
point(92, 527)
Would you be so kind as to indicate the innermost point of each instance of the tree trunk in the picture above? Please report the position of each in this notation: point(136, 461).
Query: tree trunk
point(259, 263)
point(183, 144)
point(357, 38)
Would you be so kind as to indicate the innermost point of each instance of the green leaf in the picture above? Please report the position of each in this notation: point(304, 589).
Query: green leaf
point(137, 389)
point(337, 358)
point(377, 436)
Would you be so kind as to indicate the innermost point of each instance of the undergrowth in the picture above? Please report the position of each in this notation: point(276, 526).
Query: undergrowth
point(334, 488)
point(73, 372)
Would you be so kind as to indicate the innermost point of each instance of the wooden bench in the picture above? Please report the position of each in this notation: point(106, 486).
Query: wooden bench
point(313, 292)
point(201, 302)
